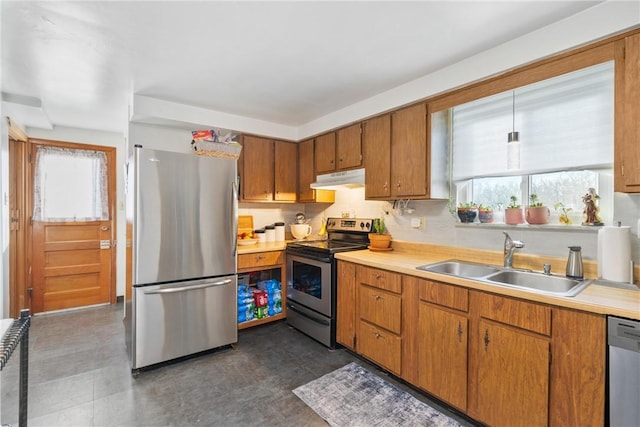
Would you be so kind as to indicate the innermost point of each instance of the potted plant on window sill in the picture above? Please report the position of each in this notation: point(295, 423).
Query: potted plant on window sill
point(467, 212)
point(564, 213)
point(537, 212)
point(485, 214)
point(380, 240)
point(513, 214)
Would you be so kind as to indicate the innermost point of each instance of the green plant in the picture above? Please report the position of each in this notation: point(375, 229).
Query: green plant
point(534, 202)
point(378, 226)
point(468, 205)
point(485, 208)
point(564, 213)
point(513, 204)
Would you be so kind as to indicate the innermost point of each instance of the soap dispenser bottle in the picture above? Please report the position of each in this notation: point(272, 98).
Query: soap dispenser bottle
point(574, 263)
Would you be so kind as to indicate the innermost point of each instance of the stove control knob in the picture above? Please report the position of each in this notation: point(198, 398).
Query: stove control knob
point(362, 225)
point(367, 226)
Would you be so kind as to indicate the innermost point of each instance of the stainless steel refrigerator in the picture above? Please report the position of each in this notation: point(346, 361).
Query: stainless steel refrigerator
point(181, 242)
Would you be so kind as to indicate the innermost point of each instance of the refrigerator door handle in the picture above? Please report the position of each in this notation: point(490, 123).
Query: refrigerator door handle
point(234, 195)
point(188, 288)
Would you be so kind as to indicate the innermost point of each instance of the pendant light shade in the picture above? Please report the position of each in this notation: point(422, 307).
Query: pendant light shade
point(513, 141)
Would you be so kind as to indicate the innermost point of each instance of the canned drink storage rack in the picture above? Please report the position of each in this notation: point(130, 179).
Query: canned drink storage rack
point(18, 334)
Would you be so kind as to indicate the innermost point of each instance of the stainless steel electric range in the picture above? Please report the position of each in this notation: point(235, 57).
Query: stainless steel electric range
point(311, 277)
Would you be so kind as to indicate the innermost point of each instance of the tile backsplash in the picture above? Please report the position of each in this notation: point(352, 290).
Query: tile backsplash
point(442, 228)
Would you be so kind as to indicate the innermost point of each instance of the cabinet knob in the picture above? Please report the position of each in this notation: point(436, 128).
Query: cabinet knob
point(486, 339)
point(398, 185)
point(378, 297)
point(377, 335)
point(378, 276)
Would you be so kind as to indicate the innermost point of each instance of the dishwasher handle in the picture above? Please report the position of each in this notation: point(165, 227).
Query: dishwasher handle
point(188, 288)
point(624, 333)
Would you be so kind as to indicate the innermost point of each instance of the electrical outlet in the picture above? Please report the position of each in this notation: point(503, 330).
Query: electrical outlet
point(418, 222)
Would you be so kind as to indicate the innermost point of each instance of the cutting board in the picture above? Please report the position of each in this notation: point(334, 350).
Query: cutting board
point(245, 224)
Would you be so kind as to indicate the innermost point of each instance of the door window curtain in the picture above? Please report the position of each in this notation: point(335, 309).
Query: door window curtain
point(565, 123)
point(70, 185)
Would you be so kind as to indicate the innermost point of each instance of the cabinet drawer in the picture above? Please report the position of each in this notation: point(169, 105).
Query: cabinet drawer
point(380, 346)
point(380, 307)
point(379, 279)
point(521, 314)
point(260, 259)
point(445, 295)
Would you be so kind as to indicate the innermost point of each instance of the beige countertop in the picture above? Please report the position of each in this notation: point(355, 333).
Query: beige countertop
point(262, 247)
point(595, 298)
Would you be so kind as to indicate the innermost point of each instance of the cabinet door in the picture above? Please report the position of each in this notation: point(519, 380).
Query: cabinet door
point(578, 351)
point(512, 378)
point(376, 149)
point(409, 151)
point(286, 158)
point(442, 354)
point(257, 182)
point(306, 171)
point(325, 153)
point(627, 141)
point(346, 305)
point(349, 147)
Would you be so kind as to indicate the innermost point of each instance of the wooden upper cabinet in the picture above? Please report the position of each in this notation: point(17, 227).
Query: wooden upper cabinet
point(307, 175)
point(325, 153)
point(376, 149)
point(409, 152)
point(286, 156)
point(349, 147)
point(258, 169)
point(627, 116)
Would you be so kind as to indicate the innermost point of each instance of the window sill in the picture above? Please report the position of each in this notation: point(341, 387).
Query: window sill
point(545, 227)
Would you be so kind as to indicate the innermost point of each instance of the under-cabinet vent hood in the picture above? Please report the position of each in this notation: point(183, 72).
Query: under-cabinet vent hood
point(353, 178)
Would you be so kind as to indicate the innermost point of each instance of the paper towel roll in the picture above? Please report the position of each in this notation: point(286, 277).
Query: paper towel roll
point(614, 253)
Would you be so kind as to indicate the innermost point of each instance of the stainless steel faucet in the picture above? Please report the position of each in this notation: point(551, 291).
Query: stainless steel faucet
point(510, 247)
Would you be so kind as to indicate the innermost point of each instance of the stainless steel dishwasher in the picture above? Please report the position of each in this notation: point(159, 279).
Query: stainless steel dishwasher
point(624, 372)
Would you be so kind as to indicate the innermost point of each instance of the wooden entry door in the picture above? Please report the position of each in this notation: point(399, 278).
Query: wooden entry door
point(73, 261)
point(71, 264)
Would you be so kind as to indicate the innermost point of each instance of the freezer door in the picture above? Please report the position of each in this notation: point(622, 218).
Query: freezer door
point(184, 216)
point(180, 319)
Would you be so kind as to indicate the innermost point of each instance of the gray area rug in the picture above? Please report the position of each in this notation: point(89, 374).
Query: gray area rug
point(353, 396)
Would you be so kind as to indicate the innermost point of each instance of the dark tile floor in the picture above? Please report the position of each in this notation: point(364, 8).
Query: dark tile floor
point(79, 376)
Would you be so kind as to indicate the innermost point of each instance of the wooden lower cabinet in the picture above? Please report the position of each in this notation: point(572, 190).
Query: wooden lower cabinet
point(380, 346)
point(345, 305)
point(503, 361)
point(442, 354)
point(271, 266)
point(509, 380)
point(379, 317)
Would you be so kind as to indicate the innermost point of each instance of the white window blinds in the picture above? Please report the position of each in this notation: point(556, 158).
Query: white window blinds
point(565, 123)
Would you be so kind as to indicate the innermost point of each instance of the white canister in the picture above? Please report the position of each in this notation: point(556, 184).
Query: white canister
point(270, 232)
point(260, 235)
point(279, 231)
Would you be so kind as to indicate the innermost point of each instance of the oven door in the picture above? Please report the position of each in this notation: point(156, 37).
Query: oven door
point(309, 283)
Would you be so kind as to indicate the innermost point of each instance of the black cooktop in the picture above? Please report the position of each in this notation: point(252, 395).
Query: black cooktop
point(331, 246)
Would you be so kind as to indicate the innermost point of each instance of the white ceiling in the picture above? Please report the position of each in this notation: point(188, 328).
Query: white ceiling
point(282, 62)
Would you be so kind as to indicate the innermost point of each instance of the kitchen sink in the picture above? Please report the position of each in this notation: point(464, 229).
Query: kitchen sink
point(539, 282)
point(500, 276)
point(460, 269)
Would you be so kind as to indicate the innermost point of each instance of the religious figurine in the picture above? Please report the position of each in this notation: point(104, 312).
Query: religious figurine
point(591, 209)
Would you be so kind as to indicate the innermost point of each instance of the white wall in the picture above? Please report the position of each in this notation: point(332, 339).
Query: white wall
point(107, 139)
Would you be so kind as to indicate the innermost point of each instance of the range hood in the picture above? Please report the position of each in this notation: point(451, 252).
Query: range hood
point(353, 178)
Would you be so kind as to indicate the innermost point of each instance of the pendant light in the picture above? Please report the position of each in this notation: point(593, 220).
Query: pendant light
point(513, 141)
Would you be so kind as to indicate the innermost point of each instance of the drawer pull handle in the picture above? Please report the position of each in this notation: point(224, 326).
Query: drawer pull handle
point(459, 331)
point(378, 276)
point(378, 336)
point(378, 297)
point(486, 339)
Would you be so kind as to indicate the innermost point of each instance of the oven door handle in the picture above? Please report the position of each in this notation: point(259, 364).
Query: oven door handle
point(308, 315)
